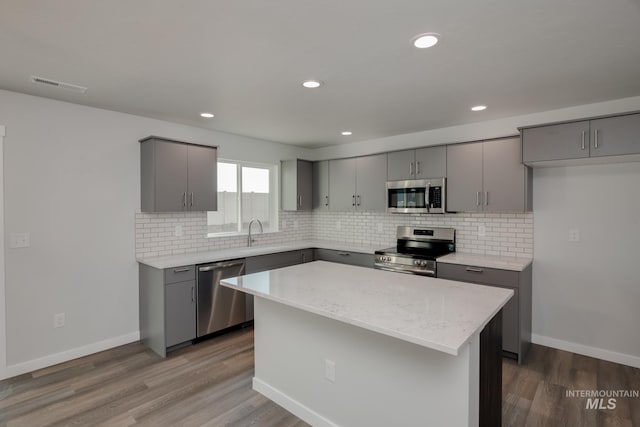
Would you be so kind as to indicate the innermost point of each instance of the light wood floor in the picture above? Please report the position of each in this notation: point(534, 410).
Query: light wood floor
point(209, 384)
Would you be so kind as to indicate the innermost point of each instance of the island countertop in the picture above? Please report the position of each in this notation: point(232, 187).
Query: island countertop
point(435, 313)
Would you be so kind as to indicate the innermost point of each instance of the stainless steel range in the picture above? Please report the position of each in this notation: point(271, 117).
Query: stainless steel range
point(417, 249)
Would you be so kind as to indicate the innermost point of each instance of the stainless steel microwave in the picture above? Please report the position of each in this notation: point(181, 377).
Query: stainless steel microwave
point(417, 196)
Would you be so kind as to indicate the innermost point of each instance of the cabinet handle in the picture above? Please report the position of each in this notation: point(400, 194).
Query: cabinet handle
point(181, 270)
point(473, 270)
point(304, 258)
point(417, 168)
point(358, 200)
point(410, 168)
point(326, 200)
point(477, 198)
point(193, 294)
point(584, 134)
point(184, 199)
point(191, 198)
point(595, 143)
point(353, 200)
point(299, 201)
point(486, 198)
point(344, 253)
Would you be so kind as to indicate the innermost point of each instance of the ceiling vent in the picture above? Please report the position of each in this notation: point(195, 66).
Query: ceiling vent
point(61, 85)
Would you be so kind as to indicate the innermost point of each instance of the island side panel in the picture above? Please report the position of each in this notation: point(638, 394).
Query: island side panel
point(379, 380)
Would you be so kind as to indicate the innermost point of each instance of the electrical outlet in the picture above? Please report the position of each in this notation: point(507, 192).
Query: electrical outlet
point(482, 230)
point(19, 240)
point(380, 227)
point(338, 225)
point(330, 370)
point(58, 320)
point(178, 231)
point(295, 224)
point(574, 235)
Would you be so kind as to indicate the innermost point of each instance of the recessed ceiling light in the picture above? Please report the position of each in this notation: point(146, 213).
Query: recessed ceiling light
point(206, 115)
point(426, 40)
point(479, 108)
point(347, 133)
point(312, 84)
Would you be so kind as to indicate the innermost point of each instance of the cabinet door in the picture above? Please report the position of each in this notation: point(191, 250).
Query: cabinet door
point(510, 324)
point(307, 255)
point(203, 186)
point(371, 183)
point(180, 312)
point(401, 165)
point(342, 184)
point(614, 136)
point(503, 176)
point(321, 185)
point(464, 177)
point(304, 185)
point(431, 162)
point(171, 177)
point(556, 142)
point(344, 257)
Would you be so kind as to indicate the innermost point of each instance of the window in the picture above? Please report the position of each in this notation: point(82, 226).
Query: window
point(245, 191)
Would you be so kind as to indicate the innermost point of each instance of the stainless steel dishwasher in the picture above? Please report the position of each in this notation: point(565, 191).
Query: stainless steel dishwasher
point(218, 306)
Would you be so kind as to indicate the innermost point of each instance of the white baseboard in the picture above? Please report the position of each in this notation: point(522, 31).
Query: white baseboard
point(291, 405)
point(598, 353)
point(74, 353)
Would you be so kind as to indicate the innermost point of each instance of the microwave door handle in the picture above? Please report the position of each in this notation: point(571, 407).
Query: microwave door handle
point(427, 198)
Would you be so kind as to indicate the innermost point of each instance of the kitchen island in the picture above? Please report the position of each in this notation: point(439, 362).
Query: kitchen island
point(339, 345)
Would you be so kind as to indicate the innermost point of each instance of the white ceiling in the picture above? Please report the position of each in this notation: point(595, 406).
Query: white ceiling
point(244, 60)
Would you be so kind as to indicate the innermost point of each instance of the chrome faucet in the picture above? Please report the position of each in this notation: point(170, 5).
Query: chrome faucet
point(249, 239)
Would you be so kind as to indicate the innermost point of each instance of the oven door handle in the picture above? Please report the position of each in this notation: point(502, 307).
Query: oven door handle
point(428, 198)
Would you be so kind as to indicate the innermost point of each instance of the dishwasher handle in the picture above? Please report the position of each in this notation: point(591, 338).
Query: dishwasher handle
point(220, 265)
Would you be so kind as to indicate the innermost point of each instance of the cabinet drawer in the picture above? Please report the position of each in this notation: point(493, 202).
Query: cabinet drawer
point(344, 257)
point(179, 274)
point(475, 274)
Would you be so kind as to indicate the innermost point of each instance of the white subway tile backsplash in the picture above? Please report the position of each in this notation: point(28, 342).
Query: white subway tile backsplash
point(505, 234)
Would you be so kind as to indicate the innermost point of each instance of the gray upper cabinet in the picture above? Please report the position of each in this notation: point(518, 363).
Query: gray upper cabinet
point(296, 185)
point(202, 178)
point(321, 185)
point(400, 165)
point(464, 177)
point(342, 183)
point(429, 162)
point(614, 136)
point(488, 176)
point(358, 183)
point(556, 142)
point(177, 176)
point(608, 136)
point(371, 183)
point(506, 181)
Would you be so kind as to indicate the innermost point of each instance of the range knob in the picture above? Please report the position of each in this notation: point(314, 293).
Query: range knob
point(416, 262)
point(423, 263)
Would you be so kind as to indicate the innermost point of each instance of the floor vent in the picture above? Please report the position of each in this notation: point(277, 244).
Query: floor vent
point(61, 85)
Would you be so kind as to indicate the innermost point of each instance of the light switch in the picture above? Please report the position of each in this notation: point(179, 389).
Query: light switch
point(482, 230)
point(19, 240)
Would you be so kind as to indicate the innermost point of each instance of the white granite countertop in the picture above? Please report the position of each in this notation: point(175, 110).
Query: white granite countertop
point(487, 261)
point(171, 261)
point(435, 313)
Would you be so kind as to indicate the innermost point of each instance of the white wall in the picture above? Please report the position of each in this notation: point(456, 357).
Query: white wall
point(72, 181)
point(586, 294)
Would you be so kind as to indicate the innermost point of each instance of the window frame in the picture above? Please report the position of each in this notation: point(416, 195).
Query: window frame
point(274, 196)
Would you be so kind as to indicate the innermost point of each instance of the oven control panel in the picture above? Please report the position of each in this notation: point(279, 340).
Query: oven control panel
point(406, 264)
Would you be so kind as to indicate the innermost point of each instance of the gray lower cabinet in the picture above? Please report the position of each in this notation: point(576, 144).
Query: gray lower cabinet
point(358, 183)
point(177, 176)
point(607, 136)
point(344, 257)
point(516, 314)
point(167, 306)
point(256, 264)
point(296, 185)
point(321, 185)
point(488, 177)
point(423, 163)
